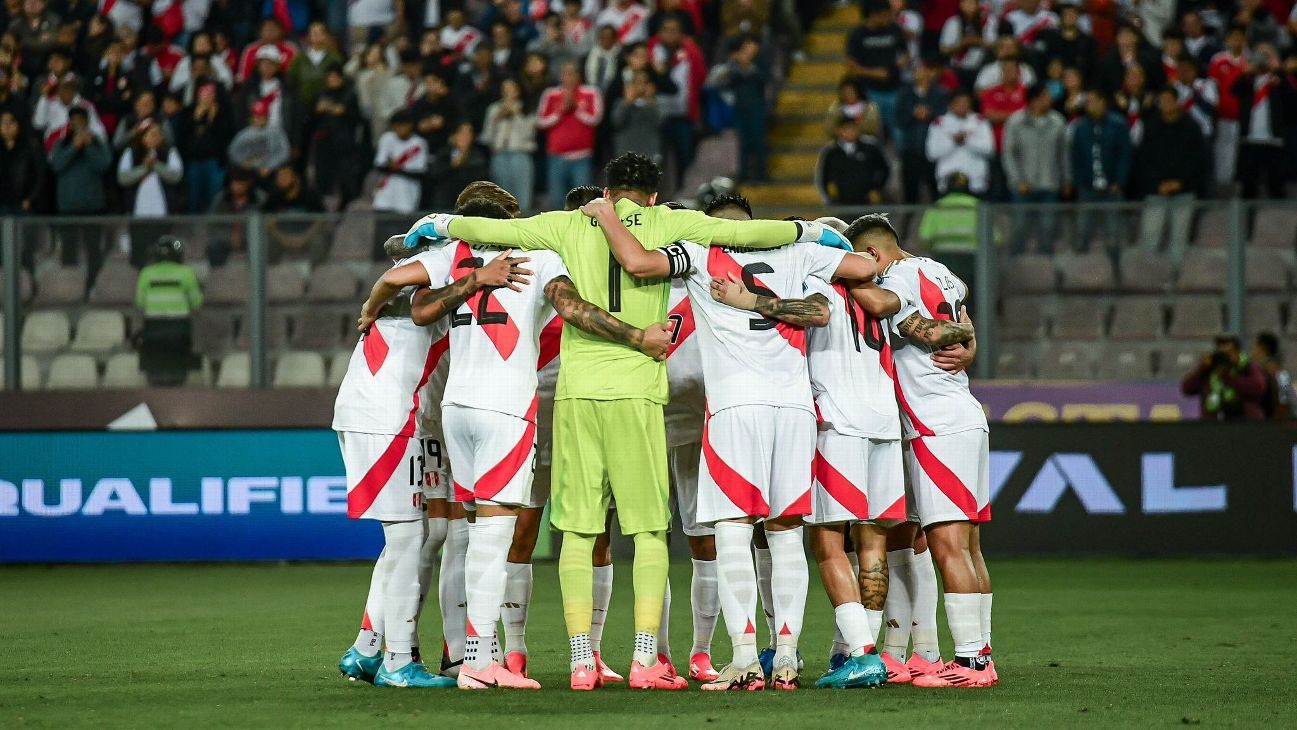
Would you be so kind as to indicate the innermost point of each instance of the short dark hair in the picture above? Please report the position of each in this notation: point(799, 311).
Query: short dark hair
point(871, 223)
point(401, 116)
point(1268, 343)
point(633, 171)
point(483, 208)
point(729, 200)
point(580, 195)
point(675, 205)
point(1037, 89)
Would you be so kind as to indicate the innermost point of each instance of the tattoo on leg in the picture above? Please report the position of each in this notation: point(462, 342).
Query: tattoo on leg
point(873, 584)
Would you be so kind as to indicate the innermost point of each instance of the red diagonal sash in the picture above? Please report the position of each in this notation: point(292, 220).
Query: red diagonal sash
point(681, 318)
point(504, 335)
point(721, 265)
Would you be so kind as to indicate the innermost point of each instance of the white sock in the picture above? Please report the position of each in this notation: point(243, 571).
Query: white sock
point(875, 623)
point(664, 626)
point(896, 611)
point(428, 559)
point(370, 640)
point(705, 604)
point(854, 625)
point(602, 597)
point(453, 590)
point(986, 621)
point(764, 568)
point(400, 590)
point(488, 547)
point(517, 599)
point(840, 643)
point(964, 614)
point(582, 653)
point(923, 606)
point(789, 582)
point(646, 648)
point(736, 584)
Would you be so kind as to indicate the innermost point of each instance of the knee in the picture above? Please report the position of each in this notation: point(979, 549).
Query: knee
point(702, 548)
point(522, 548)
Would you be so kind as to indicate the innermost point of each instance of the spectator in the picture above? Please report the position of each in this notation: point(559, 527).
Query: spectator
point(340, 139)
point(1224, 70)
point(851, 102)
point(52, 112)
point(58, 64)
point(636, 119)
point(1279, 385)
point(577, 29)
point(272, 36)
point(1026, 23)
point(239, 198)
point(1072, 101)
point(372, 84)
point(675, 10)
point(266, 86)
point(1069, 42)
point(111, 88)
point(35, 30)
point(457, 36)
point(402, 162)
point(746, 78)
point(369, 20)
point(852, 169)
point(948, 229)
point(637, 59)
point(1098, 165)
point(435, 113)
point(676, 55)
point(167, 294)
point(259, 149)
point(1170, 163)
point(1267, 105)
point(1228, 384)
point(628, 17)
point(289, 230)
point(1006, 53)
point(459, 163)
point(79, 160)
point(477, 85)
point(570, 113)
point(203, 134)
point(1198, 96)
point(307, 69)
point(202, 52)
point(1035, 151)
point(745, 18)
point(144, 106)
point(510, 134)
point(1262, 27)
point(23, 162)
point(534, 80)
point(1129, 51)
point(916, 107)
point(963, 42)
point(961, 141)
point(601, 62)
point(508, 56)
point(94, 45)
point(1198, 43)
point(148, 172)
point(1135, 101)
point(875, 56)
point(999, 102)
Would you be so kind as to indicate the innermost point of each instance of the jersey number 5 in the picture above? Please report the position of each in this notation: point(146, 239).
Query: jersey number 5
point(750, 281)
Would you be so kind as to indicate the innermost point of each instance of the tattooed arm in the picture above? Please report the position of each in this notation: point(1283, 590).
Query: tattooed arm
point(504, 270)
point(430, 305)
point(586, 317)
point(813, 311)
point(935, 333)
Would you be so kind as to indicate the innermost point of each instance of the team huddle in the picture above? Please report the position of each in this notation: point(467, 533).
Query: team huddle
point(768, 377)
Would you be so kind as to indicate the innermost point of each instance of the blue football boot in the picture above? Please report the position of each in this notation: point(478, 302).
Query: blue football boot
point(358, 667)
point(866, 670)
point(413, 674)
point(837, 660)
point(767, 660)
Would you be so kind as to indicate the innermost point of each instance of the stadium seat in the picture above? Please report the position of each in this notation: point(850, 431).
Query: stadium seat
point(338, 367)
point(213, 330)
point(46, 331)
point(115, 285)
point(31, 374)
point(353, 239)
point(1196, 319)
point(1212, 228)
point(299, 370)
point(100, 331)
point(1265, 270)
point(284, 284)
point(1014, 362)
point(1145, 271)
point(276, 331)
point(316, 329)
point(1263, 314)
point(1137, 319)
point(350, 336)
point(1081, 318)
point(227, 285)
point(1274, 227)
point(376, 270)
point(1126, 362)
point(235, 372)
point(331, 283)
point(1067, 361)
point(123, 371)
point(72, 372)
point(1203, 271)
point(24, 285)
point(1088, 273)
point(1176, 360)
point(1028, 274)
point(1024, 318)
point(60, 286)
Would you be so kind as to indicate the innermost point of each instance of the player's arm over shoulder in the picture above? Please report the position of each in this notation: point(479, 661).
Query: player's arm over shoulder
point(589, 318)
point(629, 252)
point(692, 225)
point(812, 310)
point(546, 230)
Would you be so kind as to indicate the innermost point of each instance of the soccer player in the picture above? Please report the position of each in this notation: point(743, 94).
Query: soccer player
point(758, 437)
point(945, 427)
point(609, 436)
point(490, 412)
point(376, 417)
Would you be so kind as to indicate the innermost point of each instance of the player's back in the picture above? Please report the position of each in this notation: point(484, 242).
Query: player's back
point(850, 362)
point(684, 413)
point(933, 401)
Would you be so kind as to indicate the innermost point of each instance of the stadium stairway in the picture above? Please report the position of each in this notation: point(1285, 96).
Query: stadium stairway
point(798, 133)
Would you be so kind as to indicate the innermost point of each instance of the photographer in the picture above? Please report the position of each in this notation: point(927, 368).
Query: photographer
point(1230, 386)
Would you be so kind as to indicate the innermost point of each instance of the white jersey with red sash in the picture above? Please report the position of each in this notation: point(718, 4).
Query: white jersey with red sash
point(685, 410)
point(628, 21)
point(398, 191)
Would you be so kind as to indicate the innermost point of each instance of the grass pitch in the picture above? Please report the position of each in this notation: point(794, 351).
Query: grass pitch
point(1105, 643)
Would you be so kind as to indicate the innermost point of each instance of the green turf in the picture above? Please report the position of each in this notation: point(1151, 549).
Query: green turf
point(1078, 642)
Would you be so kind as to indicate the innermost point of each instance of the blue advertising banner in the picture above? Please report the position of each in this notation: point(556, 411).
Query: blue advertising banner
point(181, 495)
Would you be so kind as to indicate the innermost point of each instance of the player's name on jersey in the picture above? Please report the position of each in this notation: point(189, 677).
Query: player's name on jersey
point(287, 495)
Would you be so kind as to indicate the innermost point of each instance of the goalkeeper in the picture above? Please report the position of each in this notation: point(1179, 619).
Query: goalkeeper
point(609, 434)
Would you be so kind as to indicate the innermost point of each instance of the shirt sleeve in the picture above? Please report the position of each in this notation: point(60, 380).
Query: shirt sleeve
point(546, 230)
point(436, 263)
point(899, 285)
point(552, 269)
point(821, 261)
point(694, 226)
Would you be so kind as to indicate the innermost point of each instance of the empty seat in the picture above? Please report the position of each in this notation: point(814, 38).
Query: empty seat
point(1212, 228)
point(100, 331)
point(1274, 227)
point(1013, 363)
point(1263, 315)
point(31, 374)
point(1203, 271)
point(213, 330)
point(46, 332)
point(1081, 318)
point(331, 283)
point(338, 367)
point(376, 271)
point(123, 371)
point(60, 286)
point(1174, 361)
point(115, 285)
point(1137, 318)
point(1024, 318)
point(1146, 271)
point(353, 239)
point(276, 331)
point(236, 371)
point(1064, 361)
point(72, 372)
point(24, 285)
point(284, 284)
point(1196, 319)
point(227, 285)
point(1126, 362)
point(1089, 272)
point(1265, 270)
point(316, 329)
point(299, 370)
point(1028, 274)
